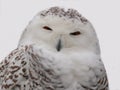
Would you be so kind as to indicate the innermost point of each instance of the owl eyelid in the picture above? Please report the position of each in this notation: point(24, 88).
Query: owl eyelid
point(75, 33)
point(47, 28)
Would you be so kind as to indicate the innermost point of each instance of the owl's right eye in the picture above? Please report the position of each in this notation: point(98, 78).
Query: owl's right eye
point(47, 28)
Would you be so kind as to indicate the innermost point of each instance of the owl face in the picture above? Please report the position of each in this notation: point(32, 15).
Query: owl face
point(60, 34)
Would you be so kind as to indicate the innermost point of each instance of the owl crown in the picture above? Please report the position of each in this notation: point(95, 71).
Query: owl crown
point(70, 13)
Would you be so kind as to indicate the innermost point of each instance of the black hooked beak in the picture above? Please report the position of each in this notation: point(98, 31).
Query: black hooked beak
point(59, 45)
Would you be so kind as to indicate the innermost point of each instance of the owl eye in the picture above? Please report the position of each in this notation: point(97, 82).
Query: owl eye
point(47, 28)
point(75, 33)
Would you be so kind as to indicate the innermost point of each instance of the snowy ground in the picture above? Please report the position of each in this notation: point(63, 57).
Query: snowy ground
point(104, 15)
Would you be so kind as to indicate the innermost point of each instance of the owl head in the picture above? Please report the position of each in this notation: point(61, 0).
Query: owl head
point(60, 30)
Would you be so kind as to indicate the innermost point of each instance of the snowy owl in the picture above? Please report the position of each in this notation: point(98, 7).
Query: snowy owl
point(58, 50)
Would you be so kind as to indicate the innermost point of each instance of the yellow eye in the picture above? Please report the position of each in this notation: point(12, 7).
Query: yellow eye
point(47, 28)
point(75, 33)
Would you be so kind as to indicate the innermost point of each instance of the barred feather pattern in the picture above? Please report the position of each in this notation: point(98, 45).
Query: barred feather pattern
point(25, 69)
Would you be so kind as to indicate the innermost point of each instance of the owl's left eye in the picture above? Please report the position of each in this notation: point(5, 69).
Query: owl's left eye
point(47, 28)
point(75, 33)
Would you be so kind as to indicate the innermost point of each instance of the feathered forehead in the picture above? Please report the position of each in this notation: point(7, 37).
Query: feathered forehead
point(69, 14)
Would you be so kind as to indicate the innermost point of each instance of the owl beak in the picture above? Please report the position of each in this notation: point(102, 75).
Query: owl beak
point(59, 45)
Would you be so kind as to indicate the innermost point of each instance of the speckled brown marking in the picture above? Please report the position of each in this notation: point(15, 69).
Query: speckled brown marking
point(26, 48)
point(32, 75)
point(16, 76)
point(33, 56)
point(69, 14)
point(14, 80)
point(24, 70)
point(6, 86)
point(83, 20)
point(11, 77)
point(14, 67)
point(23, 63)
point(16, 58)
point(13, 62)
point(6, 62)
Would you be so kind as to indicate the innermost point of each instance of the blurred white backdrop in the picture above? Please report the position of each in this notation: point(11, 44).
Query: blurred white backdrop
point(104, 15)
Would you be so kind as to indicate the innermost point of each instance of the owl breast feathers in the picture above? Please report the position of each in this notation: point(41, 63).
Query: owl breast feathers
point(26, 69)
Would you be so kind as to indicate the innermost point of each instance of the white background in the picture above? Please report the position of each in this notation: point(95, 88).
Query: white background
point(104, 15)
